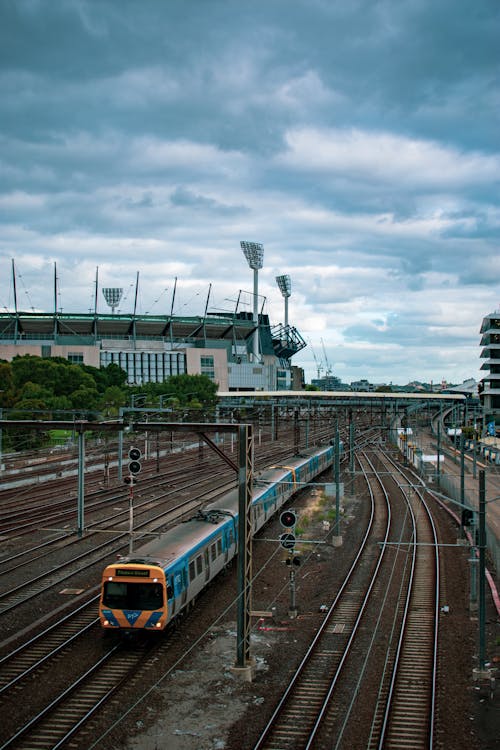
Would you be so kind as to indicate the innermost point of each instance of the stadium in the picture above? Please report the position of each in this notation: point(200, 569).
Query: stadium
point(240, 351)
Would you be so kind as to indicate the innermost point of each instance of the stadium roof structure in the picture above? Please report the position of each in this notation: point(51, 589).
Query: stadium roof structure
point(89, 328)
point(35, 325)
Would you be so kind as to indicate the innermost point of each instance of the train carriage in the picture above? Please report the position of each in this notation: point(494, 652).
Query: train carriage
point(149, 588)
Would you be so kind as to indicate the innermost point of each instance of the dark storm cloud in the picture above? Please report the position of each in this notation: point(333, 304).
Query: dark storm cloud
point(357, 140)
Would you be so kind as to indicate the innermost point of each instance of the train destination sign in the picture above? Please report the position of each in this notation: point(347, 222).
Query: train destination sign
point(132, 572)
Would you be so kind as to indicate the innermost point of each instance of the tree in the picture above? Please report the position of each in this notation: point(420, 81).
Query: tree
point(84, 399)
point(7, 391)
point(34, 392)
point(111, 400)
point(105, 377)
point(57, 375)
point(192, 389)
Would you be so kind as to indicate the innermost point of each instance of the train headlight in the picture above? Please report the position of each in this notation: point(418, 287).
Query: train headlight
point(110, 578)
point(158, 624)
point(155, 580)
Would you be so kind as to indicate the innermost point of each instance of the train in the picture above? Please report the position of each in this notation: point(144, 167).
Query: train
point(147, 589)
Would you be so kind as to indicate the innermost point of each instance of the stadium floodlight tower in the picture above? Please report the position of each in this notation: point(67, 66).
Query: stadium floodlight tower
point(112, 295)
point(254, 253)
point(285, 287)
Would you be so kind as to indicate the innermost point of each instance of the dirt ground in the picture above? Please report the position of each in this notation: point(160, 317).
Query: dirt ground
point(190, 721)
point(204, 705)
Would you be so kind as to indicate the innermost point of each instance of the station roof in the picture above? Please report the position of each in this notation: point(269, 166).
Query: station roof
point(338, 396)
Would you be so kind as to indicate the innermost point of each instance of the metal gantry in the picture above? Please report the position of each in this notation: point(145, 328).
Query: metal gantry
point(244, 469)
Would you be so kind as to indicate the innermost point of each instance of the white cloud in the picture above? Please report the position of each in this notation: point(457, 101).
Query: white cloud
point(386, 158)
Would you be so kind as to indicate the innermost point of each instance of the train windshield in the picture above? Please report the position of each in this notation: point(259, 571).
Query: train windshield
point(120, 595)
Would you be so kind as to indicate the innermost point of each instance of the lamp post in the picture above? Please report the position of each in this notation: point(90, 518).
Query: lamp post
point(168, 397)
point(135, 396)
point(254, 253)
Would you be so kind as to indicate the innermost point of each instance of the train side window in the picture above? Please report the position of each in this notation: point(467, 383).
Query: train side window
point(170, 589)
point(199, 565)
point(219, 546)
point(213, 552)
point(192, 572)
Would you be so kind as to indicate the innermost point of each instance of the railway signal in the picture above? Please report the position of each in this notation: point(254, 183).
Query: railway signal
point(294, 558)
point(287, 540)
point(288, 519)
point(467, 517)
point(130, 480)
point(134, 455)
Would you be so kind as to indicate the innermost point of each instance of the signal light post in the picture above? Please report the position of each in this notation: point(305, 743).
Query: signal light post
point(288, 519)
point(134, 468)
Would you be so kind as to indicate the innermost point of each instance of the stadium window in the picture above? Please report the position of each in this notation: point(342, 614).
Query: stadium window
point(76, 358)
point(207, 366)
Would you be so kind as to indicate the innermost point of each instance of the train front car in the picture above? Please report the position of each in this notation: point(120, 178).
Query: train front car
point(133, 596)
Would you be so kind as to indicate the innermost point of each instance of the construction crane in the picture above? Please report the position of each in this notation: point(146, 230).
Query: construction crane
point(319, 366)
point(328, 366)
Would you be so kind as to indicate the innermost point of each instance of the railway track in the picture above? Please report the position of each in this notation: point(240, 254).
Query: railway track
point(36, 653)
point(50, 727)
point(391, 588)
point(58, 722)
point(409, 707)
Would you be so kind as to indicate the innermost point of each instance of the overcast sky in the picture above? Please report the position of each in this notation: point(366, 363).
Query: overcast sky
point(357, 140)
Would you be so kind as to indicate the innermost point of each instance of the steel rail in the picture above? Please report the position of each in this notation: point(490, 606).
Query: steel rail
point(305, 694)
point(410, 706)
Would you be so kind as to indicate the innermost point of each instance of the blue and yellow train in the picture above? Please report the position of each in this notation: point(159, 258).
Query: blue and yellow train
point(149, 588)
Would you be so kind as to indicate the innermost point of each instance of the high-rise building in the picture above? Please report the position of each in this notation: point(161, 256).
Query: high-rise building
point(490, 384)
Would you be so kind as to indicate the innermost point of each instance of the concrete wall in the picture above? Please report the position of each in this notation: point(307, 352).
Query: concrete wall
point(90, 353)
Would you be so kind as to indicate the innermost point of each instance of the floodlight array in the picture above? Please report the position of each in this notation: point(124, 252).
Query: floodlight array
point(254, 253)
point(112, 295)
point(285, 285)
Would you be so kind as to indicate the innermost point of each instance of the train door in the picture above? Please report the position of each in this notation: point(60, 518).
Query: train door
point(171, 594)
point(184, 586)
point(176, 590)
point(206, 558)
